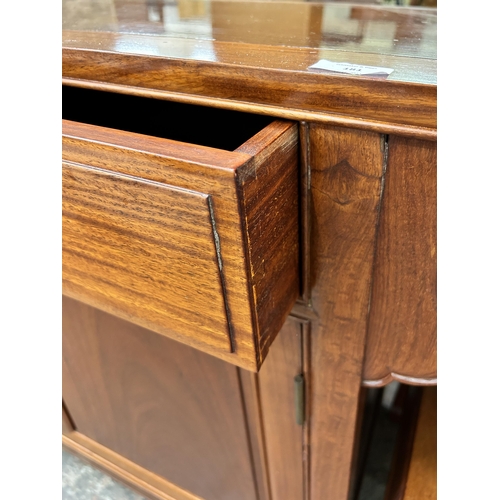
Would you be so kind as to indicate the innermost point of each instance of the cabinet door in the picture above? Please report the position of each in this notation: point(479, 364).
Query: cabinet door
point(278, 439)
point(284, 436)
point(165, 406)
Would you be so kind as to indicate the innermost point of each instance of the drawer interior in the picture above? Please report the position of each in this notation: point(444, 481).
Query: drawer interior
point(216, 128)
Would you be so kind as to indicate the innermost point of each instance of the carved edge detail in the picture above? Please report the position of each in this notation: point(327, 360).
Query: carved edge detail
point(404, 379)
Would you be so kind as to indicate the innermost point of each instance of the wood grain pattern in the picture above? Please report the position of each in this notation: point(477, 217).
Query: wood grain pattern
point(92, 58)
point(277, 442)
point(348, 27)
point(346, 179)
point(218, 174)
point(335, 30)
point(224, 420)
point(209, 56)
point(401, 341)
point(255, 422)
point(144, 251)
point(426, 133)
point(284, 438)
point(271, 225)
point(280, 444)
point(168, 408)
point(269, 399)
point(205, 57)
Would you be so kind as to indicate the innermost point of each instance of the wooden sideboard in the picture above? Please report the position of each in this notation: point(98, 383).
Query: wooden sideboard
point(248, 243)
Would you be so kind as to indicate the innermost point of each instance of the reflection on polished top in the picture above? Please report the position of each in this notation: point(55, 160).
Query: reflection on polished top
point(331, 30)
point(259, 53)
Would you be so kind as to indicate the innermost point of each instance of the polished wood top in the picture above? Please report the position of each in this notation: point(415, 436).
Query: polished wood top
point(245, 41)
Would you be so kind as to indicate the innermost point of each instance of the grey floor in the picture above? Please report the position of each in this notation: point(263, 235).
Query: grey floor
point(80, 481)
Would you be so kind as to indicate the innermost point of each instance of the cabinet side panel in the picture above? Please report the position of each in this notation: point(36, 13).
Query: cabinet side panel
point(346, 179)
point(402, 328)
point(165, 406)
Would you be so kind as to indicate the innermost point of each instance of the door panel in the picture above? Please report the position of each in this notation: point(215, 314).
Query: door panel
point(163, 405)
point(283, 435)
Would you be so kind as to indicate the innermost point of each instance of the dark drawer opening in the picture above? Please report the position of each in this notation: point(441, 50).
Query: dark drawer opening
point(216, 128)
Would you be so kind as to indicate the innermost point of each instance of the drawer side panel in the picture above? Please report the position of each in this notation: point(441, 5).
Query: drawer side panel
point(268, 186)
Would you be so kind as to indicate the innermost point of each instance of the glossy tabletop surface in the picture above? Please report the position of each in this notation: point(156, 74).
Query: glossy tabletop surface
point(257, 56)
point(402, 38)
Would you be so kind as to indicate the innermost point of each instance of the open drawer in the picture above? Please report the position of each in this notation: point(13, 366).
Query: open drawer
point(194, 242)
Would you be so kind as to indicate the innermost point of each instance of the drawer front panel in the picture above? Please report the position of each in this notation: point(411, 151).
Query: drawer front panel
point(146, 250)
point(194, 243)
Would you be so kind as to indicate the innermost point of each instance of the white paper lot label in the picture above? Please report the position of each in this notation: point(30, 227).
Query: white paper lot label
point(351, 69)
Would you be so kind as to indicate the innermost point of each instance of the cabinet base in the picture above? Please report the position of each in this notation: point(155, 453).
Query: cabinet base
point(139, 479)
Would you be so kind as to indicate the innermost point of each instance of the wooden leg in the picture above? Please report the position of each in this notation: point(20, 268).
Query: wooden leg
point(347, 167)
